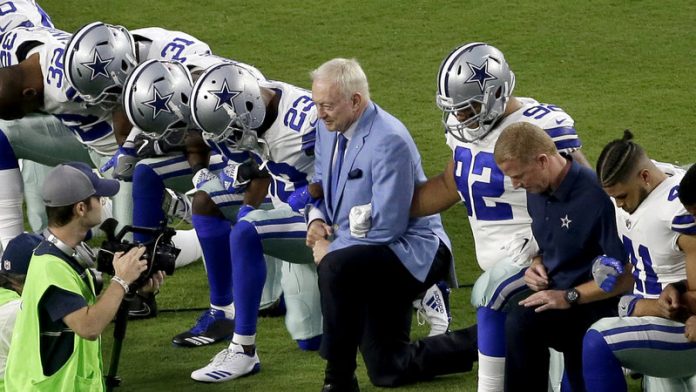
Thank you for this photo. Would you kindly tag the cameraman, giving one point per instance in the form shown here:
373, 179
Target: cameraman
56, 340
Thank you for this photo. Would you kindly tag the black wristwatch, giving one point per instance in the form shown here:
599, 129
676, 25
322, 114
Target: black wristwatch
572, 296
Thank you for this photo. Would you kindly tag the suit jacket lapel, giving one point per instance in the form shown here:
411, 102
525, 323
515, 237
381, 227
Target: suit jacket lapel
353, 149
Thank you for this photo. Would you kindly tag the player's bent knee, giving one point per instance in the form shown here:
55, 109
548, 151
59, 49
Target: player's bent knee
244, 233
494, 286
203, 204
593, 343
144, 175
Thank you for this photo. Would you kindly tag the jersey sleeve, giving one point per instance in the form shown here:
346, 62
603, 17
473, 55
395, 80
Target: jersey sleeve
561, 127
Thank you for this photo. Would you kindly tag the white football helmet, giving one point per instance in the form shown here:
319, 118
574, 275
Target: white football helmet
474, 79
156, 98
227, 105
98, 59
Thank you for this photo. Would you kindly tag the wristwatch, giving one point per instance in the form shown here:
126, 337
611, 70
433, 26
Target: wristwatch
572, 296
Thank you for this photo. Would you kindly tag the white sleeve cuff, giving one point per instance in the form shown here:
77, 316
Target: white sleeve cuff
312, 213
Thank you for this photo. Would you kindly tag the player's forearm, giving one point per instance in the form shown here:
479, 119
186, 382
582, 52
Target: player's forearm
688, 300
197, 151
256, 191
646, 307
590, 292
122, 126
432, 197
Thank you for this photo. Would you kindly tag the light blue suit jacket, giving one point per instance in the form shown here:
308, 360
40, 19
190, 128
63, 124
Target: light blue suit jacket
381, 166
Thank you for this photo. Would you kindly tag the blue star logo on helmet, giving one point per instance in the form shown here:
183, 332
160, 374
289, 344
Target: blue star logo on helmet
159, 103
224, 95
98, 66
479, 74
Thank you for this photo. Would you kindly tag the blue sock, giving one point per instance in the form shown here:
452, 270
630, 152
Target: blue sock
565, 383
148, 193
491, 332
213, 234
249, 277
8, 160
600, 368
311, 344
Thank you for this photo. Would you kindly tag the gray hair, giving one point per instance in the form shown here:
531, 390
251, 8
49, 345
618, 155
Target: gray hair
344, 73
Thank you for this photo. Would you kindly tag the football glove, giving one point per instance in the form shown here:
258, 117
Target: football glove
606, 271
235, 176
123, 162
201, 177
627, 304
149, 146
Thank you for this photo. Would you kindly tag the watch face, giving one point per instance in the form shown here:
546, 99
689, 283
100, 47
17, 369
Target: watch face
572, 296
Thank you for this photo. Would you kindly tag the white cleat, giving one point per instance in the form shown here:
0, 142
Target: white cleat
228, 364
432, 309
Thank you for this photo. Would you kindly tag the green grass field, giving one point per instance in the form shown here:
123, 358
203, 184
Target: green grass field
611, 65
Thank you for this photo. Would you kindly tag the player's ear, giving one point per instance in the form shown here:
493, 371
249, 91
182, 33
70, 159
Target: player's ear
29, 93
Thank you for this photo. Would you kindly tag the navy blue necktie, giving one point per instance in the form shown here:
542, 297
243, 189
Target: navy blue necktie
338, 162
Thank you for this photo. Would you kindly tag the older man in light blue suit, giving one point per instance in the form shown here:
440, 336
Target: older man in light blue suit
373, 259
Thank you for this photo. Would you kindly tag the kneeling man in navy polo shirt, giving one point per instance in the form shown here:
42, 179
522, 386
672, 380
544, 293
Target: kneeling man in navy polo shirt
573, 220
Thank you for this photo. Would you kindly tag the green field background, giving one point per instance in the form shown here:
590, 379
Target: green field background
610, 65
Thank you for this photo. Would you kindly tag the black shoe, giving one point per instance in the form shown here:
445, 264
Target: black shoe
211, 327
142, 307
351, 386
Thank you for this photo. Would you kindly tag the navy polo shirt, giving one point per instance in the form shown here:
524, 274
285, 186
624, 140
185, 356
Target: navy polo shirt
573, 225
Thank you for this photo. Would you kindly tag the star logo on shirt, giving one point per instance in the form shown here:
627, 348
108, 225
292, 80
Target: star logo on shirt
224, 95
98, 66
479, 74
565, 222
159, 103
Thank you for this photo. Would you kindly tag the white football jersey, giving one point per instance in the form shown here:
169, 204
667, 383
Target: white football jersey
22, 13
289, 142
91, 125
650, 236
197, 63
160, 44
498, 212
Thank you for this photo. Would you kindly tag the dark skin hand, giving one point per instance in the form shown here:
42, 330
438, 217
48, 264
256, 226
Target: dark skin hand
315, 190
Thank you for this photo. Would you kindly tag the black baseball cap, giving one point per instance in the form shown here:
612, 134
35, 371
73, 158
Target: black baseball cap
18, 253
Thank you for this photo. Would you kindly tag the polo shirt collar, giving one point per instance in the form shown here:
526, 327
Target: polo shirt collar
564, 189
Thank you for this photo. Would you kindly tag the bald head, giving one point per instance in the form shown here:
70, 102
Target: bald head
19, 92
